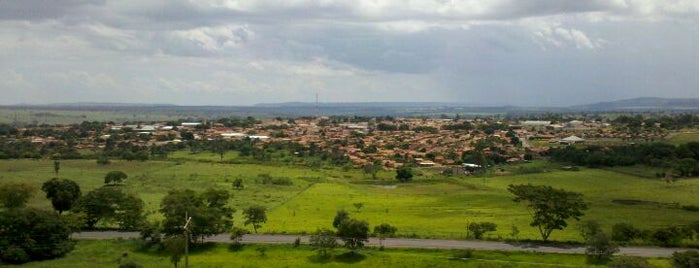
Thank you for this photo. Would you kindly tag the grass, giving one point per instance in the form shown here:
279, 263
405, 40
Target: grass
107, 253
683, 137
431, 206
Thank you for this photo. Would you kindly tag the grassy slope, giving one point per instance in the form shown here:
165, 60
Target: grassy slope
437, 207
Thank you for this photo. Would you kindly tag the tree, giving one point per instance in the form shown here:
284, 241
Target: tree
324, 241
686, 167
404, 174
384, 230
15, 195
354, 233
589, 229
237, 234
624, 232
549, 207
478, 229
174, 246
340, 216
31, 234
112, 204
209, 211
371, 168
63, 193
220, 147
600, 246
115, 177
56, 166
255, 215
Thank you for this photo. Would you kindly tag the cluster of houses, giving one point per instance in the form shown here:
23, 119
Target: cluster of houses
363, 142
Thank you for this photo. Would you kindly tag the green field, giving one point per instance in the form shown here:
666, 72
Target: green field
431, 206
683, 137
107, 254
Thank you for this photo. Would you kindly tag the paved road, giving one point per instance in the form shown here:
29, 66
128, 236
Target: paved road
408, 243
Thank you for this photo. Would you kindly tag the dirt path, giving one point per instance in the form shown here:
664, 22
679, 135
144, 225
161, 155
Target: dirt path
408, 243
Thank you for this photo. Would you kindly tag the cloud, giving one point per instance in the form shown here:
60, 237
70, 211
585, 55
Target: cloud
242, 52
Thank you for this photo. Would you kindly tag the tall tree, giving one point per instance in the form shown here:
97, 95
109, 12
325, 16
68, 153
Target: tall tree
63, 193
340, 216
354, 233
112, 204
384, 230
549, 207
255, 215
209, 211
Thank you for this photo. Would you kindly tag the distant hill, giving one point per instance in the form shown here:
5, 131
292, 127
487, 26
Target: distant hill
362, 104
642, 104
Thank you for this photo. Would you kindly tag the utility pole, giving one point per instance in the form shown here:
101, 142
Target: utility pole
186, 239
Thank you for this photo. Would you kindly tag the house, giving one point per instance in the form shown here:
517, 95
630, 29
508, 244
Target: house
571, 140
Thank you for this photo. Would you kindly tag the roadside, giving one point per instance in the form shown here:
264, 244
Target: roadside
649, 252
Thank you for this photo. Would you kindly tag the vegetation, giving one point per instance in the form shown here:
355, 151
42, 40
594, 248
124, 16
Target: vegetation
404, 174
115, 177
323, 241
256, 216
384, 230
63, 193
550, 208
111, 204
354, 233
28, 234
209, 212
478, 229
15, 195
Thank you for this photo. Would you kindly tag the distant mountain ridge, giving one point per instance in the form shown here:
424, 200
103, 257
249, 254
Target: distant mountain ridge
643, 104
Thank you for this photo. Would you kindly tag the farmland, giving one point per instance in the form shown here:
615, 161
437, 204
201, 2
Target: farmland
432, 206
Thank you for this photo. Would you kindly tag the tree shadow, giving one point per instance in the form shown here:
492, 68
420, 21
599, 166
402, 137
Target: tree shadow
235, 247
347, 257
320, 259
350, 257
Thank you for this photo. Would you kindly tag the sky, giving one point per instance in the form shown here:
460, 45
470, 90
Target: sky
242, 52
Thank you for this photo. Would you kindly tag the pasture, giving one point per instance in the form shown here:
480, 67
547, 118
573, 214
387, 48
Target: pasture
431, 206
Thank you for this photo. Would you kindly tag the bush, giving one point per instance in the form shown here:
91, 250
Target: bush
624, 232
267, 179
588, 229
687, 259
478, 229
600, 246
670, 236
692, 208
32, 234
14, 255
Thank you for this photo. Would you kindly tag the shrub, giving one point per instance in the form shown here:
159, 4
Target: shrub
624, 232
687, 259
477, 229
600, 246
669, 236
